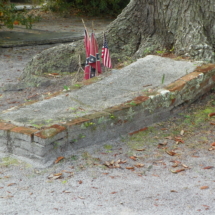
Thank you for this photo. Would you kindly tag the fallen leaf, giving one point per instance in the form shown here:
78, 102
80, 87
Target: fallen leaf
182, 133
107, 163
11, 184
113, 192
171, 153
133, 158
66, 191
211, 114
140, 149
204, 187
169, 137
58, 174
80, 182
122, 162
212, 148
59, 159
135, 132
163, 144
177, 171
185, 166
173, 191
32, 96
80, 197
178, 139
55, 176
6, 197
130, 167
212, 123
112, 162
139, 165
213, 144
117, 165
208, 167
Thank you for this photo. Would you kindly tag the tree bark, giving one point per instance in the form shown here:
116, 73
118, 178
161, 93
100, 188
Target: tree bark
143, 27
186, 26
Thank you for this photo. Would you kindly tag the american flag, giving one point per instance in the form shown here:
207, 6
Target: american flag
106, 54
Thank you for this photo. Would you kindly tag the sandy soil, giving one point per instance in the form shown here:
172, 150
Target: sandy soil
166, 169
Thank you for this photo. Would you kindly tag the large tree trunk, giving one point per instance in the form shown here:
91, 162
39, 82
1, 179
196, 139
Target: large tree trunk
185, 26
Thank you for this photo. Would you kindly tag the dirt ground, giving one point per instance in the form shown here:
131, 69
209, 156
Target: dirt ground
166, 169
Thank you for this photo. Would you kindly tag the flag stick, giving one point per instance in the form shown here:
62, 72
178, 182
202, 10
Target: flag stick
84, 25
95, 49
85, 28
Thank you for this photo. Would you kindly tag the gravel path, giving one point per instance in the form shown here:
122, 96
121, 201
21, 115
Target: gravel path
138, 174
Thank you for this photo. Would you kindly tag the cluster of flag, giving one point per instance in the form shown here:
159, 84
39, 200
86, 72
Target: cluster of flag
93, 65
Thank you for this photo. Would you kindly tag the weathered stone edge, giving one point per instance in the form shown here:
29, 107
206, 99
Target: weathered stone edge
42, 147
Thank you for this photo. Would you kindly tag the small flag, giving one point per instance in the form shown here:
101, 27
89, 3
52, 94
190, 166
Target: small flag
94, 60
106, 54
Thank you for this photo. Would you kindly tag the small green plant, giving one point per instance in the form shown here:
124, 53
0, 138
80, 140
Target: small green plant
112, 116
64, 181
172, 49
147, 51
73, 108
87, 124
9, 16
74, 157
48, 120
161, 52
163, 78
81, 136
74, 141
102, 119
56, 145
86, 155
66, 88
28, 100
133, 103
130, 114
77, 85
109, 147
36, 126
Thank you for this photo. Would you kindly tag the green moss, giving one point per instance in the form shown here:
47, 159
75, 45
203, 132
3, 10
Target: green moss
108, 147
8, 161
